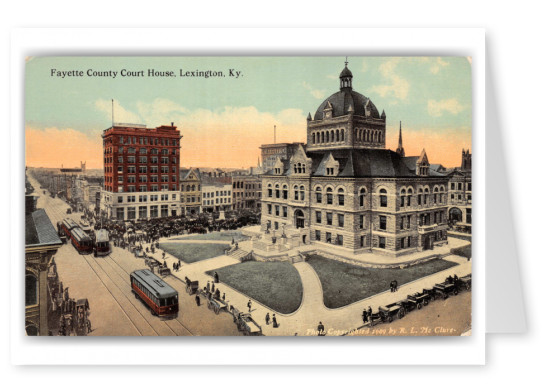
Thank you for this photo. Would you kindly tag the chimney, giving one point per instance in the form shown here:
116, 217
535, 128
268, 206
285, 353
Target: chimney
172, 124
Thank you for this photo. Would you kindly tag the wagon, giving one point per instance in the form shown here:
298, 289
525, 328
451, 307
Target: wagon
409, 304
420, 299
217, 305
246, 324
391, 311
464, 282
445, 289
191, 286
164, 271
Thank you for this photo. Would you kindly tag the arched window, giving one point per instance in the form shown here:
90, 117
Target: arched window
277, 190
332, 136
362, 197
337, 135
188, 188
383, 200
192, 187
410, 194
31, 289
329, 195
302, 193
295, 188
269, 189
313, 138
322, 137
327, 136
318, 195
340, 196
342, 134
284, 192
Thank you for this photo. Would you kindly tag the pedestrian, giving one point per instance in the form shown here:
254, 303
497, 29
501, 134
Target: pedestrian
223, 297
197, 300
274, 322
364, 315
321, 329
216, 277
212, 286
395, 286
164, 255
267, 318
369, 316
250, 304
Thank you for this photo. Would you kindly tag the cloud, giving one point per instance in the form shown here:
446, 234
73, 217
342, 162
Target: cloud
437, 64
318, 94
365, 66
437, 108
228, 137
396, 86
332, 77
121, 114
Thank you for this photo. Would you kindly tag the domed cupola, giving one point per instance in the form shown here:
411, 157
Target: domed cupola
346, 78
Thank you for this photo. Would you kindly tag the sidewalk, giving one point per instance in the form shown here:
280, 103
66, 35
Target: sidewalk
312, 310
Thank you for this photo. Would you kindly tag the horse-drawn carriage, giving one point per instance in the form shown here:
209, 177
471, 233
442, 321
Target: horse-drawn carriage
191, 286
74, 318
216, 304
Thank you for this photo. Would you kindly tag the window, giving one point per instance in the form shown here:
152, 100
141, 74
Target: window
341, 197
302, 193
296, 193
164, 210
318, 217
142, 198
132, 159
284, 192
453, 186
381, 242
131, 169
329, 196
154, 160
31, 289
459, 186
120, 213
318, 195
143, 212
339, 241
119, 199
270, 190
328, 237
318, 235
277, 191
362, 222
277, 210
143, 169
382, 198
284, 211
131, 213
402, 222
329, 218
382, 223
131, 199
269, 209
143, 160
340, 218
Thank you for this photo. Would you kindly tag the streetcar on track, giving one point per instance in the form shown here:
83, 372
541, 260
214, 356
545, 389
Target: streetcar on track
66, 225
81, 241
102, 246
160, 297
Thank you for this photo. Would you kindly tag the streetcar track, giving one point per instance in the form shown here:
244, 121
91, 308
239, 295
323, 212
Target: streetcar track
58, 216
119, 288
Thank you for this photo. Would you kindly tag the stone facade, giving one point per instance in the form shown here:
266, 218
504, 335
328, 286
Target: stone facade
345, 189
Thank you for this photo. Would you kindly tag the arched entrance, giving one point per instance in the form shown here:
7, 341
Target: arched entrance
455, 215
299, 219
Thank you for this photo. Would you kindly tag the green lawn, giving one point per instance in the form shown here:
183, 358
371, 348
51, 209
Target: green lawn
345, 284
226, 235
277, 285
194, 252
464, 251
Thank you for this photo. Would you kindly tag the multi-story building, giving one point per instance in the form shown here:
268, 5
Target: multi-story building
216, 194
41, 244
460, 194
190, 191
141, 171
271, 152
345, 189
246, 191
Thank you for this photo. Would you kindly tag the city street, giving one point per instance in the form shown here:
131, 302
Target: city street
105, 282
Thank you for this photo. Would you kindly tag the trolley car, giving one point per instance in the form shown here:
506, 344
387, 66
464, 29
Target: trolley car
67, 225
160, 297
102, 246
81, 241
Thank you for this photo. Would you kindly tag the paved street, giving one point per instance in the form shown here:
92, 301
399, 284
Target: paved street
105, 282
115, 310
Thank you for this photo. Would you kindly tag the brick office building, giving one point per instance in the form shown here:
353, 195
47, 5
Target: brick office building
141, 171
344, 188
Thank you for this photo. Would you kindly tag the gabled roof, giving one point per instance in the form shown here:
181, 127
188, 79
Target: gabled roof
39, 230
185, 174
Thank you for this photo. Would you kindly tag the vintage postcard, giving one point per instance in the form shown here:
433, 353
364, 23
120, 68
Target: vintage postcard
248, 196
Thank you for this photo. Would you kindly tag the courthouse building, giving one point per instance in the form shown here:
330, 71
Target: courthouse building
345, 189
141, 171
